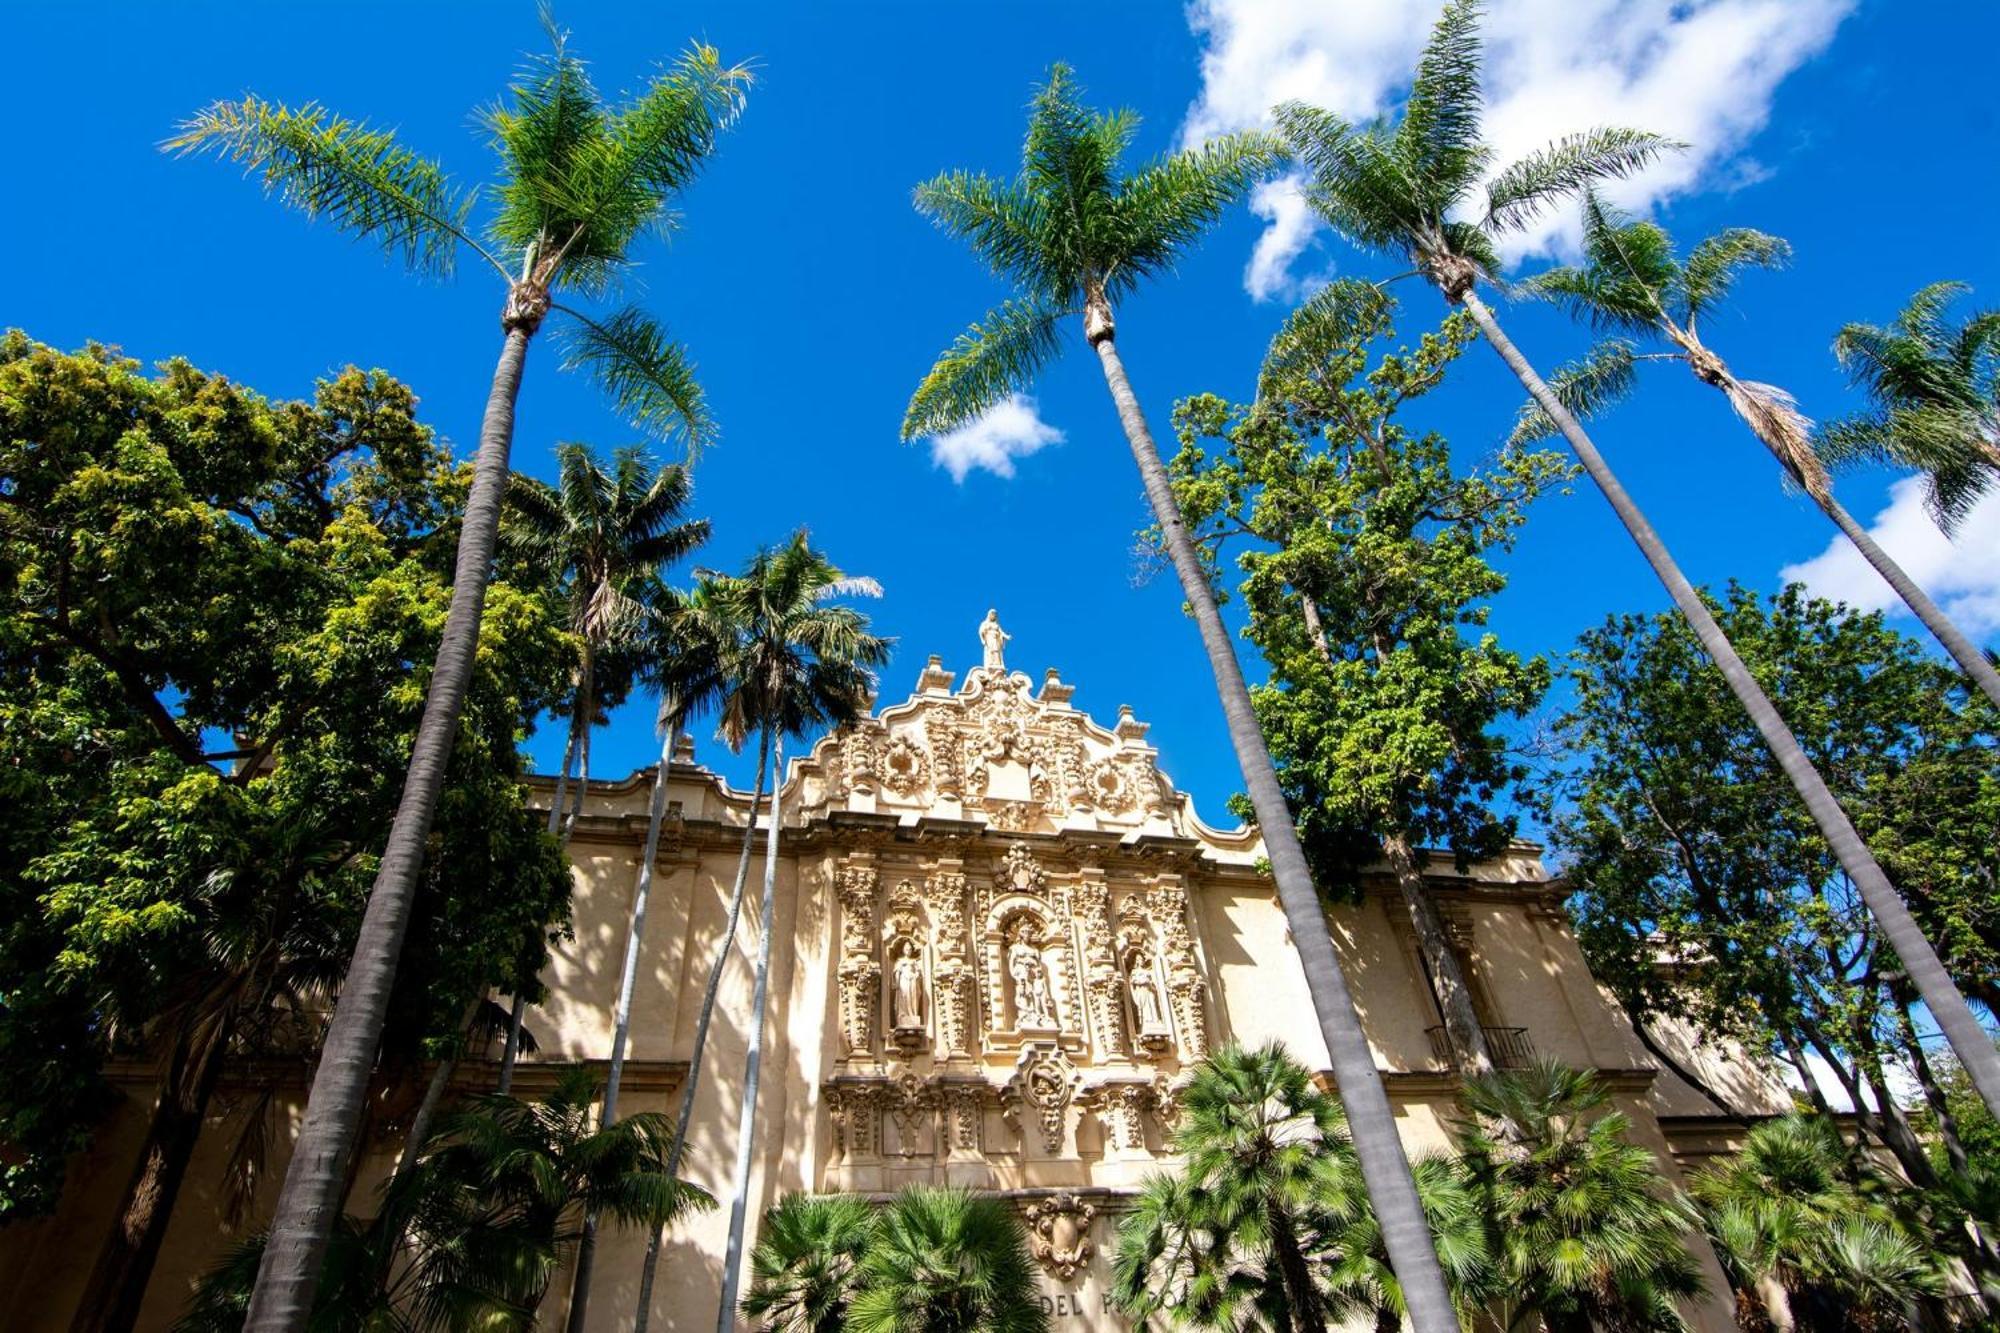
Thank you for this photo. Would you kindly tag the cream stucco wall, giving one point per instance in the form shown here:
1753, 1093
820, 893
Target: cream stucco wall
940, 821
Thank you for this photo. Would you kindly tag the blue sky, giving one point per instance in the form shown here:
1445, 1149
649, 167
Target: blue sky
814, 297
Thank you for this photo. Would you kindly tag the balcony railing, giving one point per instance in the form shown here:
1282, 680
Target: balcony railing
1509, 1047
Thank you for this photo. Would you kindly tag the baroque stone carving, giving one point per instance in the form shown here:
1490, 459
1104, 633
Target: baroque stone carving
1034, 1003
860, 974
1149, 1015
1043, 1085
1059, 1234
1092, 902
905, 767
1121, 1108
1187, 992
953, 989
909, 992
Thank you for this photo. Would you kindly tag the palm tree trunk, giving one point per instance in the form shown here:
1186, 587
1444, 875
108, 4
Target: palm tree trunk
621, 1020
124, 1266
576, 758
1974, 663
723, 947
1968, 1039
420, 1123
753, 1061
1384, 1167
310, 1200
1454, 997
1293, 1272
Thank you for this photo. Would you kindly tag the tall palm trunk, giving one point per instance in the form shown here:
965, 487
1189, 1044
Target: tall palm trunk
310, 1201
1454, 997
1969, 1041
427, 1108
724, 946
621, 1015
124, 1266
1970, 659
1384, 1167
576, 759
753, 1061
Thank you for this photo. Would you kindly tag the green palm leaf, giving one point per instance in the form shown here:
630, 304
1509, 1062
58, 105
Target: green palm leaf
646, 375
999, 355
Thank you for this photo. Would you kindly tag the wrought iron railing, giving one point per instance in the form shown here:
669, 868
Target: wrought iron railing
1508, 1047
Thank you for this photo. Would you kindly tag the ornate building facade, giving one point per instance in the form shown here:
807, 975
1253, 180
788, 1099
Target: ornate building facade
1003, 939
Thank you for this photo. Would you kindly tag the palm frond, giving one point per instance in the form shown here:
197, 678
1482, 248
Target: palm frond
1712, 266
1003, 225
1585, 387
342, 171
1324, 329
1527, 187
1440, 134
646, 374
1165, 206
995, 357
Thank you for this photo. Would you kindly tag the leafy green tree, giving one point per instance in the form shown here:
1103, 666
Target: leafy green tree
1072, 235
1802, 1225
475, 1234
579, 182
184, 560
948, 1261
1427, 189
1366, 564
1703, 889
795, 663
1934, 391
807, 1266
1633, 284
1584, 1232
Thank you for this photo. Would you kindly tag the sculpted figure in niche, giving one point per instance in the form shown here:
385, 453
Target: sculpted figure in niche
1034, 1007
909, 988
1145, 988
993, 640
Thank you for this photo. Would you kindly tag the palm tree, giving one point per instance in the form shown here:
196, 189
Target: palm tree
1634, 284
797, 663
579, 182
948, 1261
1268, 1221
1265, 1148
1935, 394
602, 536
474, 1234
1426, 189
1584, 1233
1802, 1220
681, 659
1072, 235
806, 1268
703, 630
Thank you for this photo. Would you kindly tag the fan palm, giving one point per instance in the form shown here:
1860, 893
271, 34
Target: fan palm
1935, 393
806, 1268
1633, 283
602, 536
1178, 1260
579, 182
1797, 1210
1584, 1233
948, 1261
1427, 189
1072, 235
796, 663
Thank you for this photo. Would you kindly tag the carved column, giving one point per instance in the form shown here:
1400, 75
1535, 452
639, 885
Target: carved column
1185, 987
952, 945
860, 973
1100, 964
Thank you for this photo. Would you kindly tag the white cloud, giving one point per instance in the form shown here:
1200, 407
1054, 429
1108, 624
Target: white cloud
1009, 430
1963, 576
1702, 71
1269, 274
